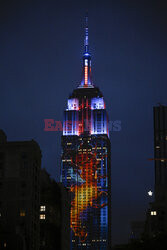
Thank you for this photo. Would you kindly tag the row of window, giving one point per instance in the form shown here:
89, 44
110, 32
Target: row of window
42, 209
153, 213
41, 216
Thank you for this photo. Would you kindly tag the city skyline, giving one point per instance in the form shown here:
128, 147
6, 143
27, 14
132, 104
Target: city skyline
40, 51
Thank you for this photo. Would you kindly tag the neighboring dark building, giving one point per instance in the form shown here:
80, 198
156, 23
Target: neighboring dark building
121, 247
156, 222
20, 164
54, 215
86, 163
65, 217
137, 230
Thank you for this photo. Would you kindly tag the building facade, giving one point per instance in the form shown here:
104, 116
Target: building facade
54, 214
86, 162
156, 222
20, 164
136, 230
160, 153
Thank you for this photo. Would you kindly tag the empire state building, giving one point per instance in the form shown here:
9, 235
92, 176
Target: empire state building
86, 162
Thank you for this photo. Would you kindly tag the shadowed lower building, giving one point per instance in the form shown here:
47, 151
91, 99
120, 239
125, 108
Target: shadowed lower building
54, 214
20, 163
136, 230
156, 222
86, 170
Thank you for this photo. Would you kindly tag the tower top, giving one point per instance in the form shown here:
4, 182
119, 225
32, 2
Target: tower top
86, 41
86, 81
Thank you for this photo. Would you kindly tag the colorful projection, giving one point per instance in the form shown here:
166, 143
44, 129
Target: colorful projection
88, 190
84, 170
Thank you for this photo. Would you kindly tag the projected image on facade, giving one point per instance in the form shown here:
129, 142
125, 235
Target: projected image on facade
86, 170
88, 193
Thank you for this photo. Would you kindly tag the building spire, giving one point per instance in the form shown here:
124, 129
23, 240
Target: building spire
86, 41
86, 69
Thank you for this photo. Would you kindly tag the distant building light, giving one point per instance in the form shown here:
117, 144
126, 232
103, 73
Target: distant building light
42, 217
153, 213
22, 213
42, 208
157, 146
150, 193
162, 160
5, 245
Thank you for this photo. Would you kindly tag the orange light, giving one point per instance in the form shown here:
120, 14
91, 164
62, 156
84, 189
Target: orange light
86, 75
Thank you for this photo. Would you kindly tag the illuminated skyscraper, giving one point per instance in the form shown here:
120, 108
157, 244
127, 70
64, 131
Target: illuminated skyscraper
86, 170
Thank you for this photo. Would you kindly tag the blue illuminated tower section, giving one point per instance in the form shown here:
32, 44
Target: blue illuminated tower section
86, 162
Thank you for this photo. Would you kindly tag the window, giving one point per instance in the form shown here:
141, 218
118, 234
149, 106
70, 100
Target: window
42, 217
22, 213
2, 156
23, 155
153, 213
42, 208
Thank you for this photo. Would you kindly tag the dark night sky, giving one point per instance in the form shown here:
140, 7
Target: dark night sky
41, 49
